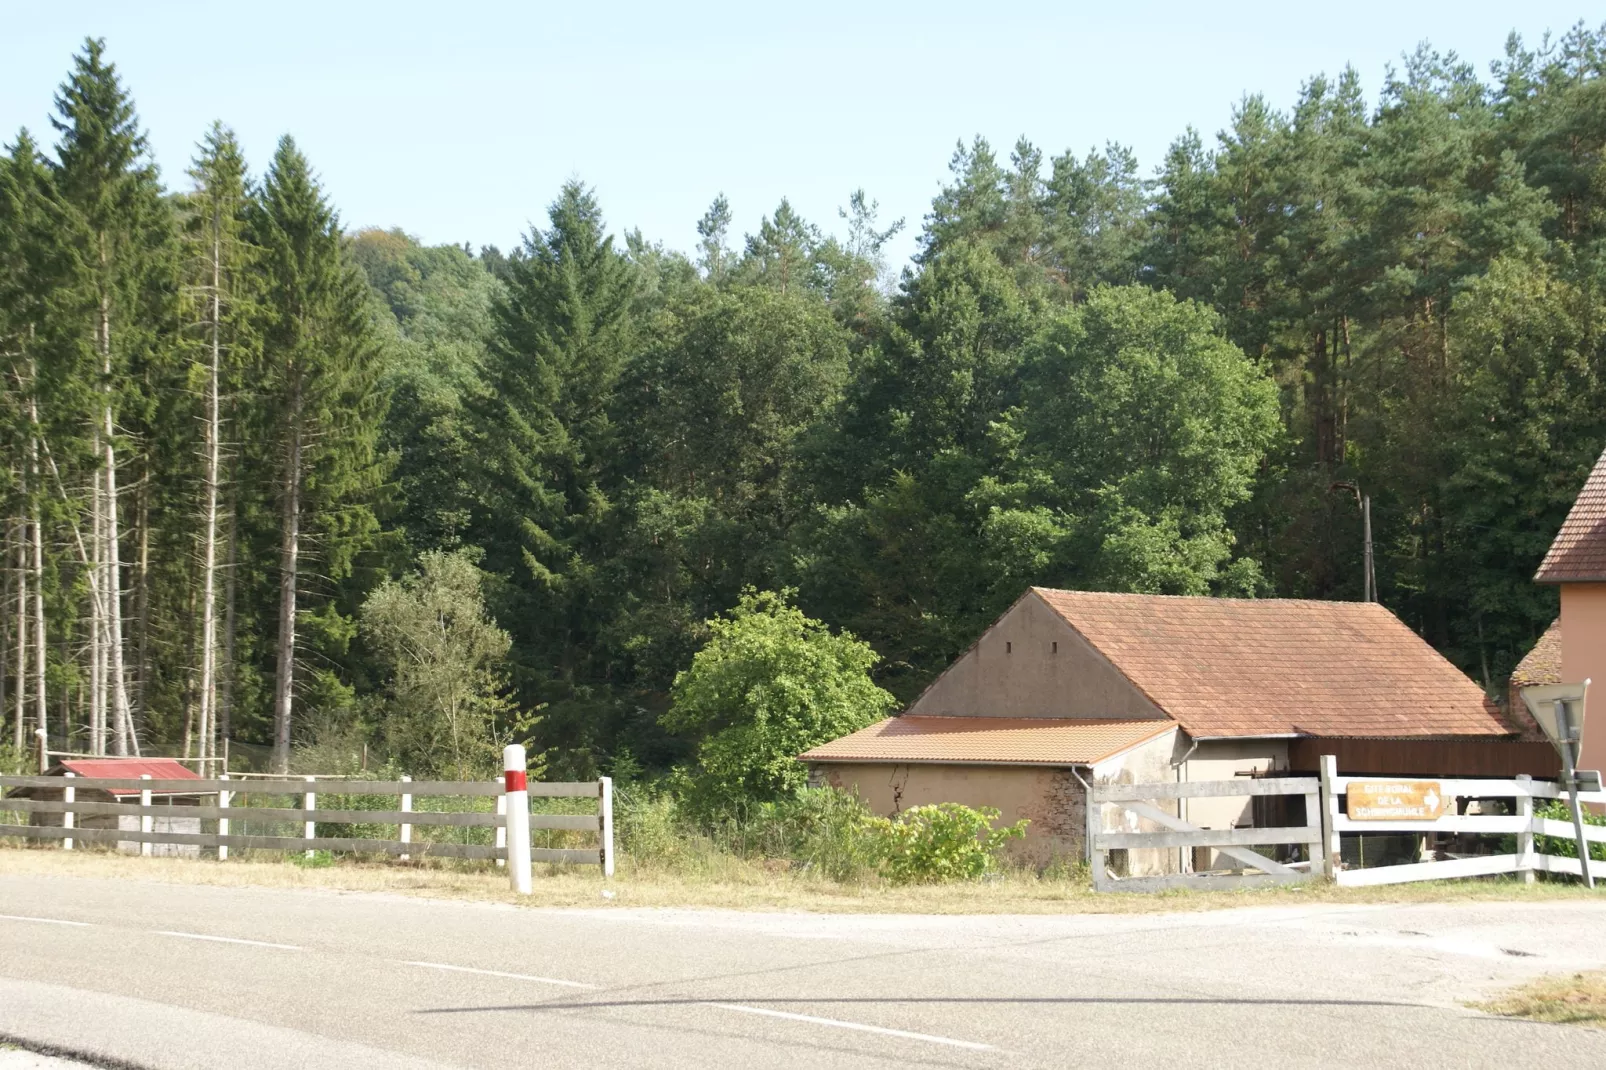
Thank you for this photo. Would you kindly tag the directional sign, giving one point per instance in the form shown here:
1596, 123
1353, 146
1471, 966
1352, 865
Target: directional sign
1396, 800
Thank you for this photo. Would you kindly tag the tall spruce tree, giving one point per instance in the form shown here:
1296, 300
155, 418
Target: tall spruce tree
123, 235
318, 375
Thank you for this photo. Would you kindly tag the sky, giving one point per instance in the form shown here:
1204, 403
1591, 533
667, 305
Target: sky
459, 121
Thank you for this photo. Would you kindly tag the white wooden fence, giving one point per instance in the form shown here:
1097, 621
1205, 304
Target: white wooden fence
1327, 820
1521, 824
218, 801
1139, 801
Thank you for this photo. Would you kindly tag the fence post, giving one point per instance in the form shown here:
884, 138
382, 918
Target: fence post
224, 798
1525, 838
310, 803
605, 836
407, 808
1330, 840
69, 795
515, 790
146, 823
1313, 817
44, 752
501, 830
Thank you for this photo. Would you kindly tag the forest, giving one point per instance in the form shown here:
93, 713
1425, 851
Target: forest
308, 494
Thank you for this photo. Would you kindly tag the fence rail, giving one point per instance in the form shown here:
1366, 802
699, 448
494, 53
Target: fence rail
1327, 820
218, 803
1137, 800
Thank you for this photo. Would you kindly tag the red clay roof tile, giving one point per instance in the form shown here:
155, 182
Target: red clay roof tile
1253, 667
1578, 553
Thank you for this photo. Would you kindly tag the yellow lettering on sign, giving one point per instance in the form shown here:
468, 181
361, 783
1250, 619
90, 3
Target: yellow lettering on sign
1397, 800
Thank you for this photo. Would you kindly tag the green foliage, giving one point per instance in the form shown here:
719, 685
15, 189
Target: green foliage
444, 710
945, 842
1567, 846
770, 684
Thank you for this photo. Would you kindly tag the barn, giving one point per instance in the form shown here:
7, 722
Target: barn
1069, 688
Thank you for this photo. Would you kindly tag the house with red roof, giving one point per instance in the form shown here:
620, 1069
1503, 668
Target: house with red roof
1573, 649
1072, 687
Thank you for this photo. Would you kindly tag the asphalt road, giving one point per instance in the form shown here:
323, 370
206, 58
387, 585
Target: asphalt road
169, 976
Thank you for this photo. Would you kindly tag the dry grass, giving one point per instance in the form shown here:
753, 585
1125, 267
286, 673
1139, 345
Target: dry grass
740, 886
1574, 999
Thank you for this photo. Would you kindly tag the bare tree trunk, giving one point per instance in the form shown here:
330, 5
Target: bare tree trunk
208, 696
97, 621
22, 627
142, 595
118, 684
40, 709
289, 550
226, 677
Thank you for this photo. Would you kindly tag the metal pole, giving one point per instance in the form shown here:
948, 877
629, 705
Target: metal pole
1564, 718
515, 787
1371, 571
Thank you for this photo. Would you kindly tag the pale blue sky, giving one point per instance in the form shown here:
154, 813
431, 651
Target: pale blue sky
458, 121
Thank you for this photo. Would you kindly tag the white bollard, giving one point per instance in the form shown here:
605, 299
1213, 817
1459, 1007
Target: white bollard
145, 820
515, 788
605, 834
311, 803
69, 795
224, 798
407, 808
501, 830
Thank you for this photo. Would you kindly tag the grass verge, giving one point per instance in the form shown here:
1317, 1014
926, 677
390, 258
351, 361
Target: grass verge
737, 885
1571, 999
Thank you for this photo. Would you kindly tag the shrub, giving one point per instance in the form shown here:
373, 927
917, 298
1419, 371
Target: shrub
945, 842
1567, 847
769, 684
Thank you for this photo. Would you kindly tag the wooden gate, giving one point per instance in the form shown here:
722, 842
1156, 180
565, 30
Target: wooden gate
1143, 803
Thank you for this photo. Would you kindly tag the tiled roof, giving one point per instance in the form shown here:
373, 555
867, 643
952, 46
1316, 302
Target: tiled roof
1579, 551
1267, 667
1541, 666
988, 740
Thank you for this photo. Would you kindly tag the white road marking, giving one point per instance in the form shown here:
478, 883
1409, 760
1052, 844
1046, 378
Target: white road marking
227, 940
44, 921
859, 1026
500, 973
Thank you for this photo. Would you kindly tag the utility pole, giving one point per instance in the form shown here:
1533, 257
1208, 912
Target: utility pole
1369, 568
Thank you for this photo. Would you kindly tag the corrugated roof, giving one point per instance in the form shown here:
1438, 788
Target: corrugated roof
121, 768
1578, 553
1267, 667
988, 740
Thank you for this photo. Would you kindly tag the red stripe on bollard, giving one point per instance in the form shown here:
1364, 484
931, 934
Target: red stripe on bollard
515, 780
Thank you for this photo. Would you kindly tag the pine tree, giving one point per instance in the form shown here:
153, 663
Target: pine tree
318, 373
218, 216
123, 236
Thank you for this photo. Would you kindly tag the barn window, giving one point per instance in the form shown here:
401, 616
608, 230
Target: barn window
1055, 645
1009, 648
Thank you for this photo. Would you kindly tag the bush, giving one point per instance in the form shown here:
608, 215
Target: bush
945, 842
1558, 810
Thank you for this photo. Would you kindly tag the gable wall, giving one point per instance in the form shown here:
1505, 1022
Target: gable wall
1016, 670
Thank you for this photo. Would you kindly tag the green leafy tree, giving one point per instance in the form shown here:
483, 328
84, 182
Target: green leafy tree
1148, 427
770, 684
445, 710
